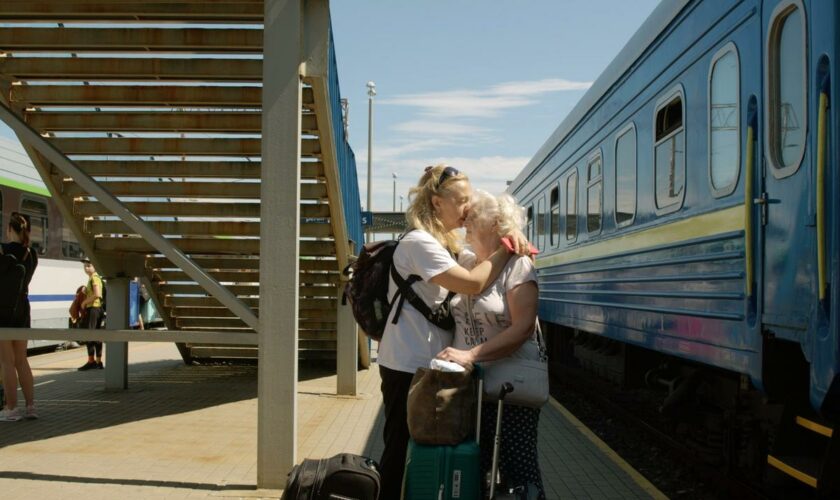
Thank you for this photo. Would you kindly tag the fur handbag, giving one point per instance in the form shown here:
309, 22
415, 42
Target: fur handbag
441, 406
526, 369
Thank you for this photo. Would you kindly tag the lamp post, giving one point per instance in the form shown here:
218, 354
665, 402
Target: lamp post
394, 199
370, 92
401, 203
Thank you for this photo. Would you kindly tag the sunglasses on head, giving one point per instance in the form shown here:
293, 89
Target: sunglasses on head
447, 173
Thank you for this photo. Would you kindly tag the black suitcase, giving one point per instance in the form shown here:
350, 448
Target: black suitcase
342, 477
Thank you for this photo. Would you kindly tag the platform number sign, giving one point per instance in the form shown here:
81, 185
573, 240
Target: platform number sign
367, 219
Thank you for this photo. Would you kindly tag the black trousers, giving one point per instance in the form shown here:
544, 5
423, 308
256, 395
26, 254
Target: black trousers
395, 385
94, 319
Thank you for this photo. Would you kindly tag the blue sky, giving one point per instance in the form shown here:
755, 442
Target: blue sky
476, 84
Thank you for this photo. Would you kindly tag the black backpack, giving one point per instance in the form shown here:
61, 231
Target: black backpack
367, 291
344, 476
12, 276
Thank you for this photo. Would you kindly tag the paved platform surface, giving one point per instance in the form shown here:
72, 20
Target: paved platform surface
190, 431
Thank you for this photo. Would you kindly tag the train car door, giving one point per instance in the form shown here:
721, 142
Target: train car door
783, 202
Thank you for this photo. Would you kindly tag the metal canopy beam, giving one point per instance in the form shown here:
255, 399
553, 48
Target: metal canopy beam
29, 136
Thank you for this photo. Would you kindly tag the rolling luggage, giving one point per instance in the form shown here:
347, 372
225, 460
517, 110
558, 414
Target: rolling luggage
342, 477
439, 472
495, 490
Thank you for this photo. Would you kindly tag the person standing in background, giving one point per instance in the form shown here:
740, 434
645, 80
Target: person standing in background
93, 310
13, 352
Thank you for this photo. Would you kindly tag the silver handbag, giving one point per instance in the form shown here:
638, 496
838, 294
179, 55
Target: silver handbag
526, 369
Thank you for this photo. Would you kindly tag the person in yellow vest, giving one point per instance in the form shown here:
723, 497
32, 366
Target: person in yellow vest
92, 306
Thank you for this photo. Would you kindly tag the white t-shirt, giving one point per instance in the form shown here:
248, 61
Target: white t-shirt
479, 318
414, 341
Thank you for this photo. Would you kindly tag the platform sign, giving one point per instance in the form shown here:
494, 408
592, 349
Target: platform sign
367, 219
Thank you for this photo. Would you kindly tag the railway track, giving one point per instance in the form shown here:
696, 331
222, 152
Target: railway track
712, 480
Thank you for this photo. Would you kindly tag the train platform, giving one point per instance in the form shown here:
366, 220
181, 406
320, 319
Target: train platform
191, 431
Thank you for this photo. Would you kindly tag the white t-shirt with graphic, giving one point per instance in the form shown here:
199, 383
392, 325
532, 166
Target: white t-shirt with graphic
413, 342
479, 318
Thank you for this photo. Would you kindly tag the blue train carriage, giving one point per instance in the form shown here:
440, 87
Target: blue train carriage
687, 213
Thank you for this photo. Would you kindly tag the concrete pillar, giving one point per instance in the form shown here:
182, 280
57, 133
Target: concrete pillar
116, 353
347, 350
279, 235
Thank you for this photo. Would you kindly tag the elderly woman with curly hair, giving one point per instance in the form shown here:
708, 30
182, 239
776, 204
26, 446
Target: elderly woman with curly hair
494, 324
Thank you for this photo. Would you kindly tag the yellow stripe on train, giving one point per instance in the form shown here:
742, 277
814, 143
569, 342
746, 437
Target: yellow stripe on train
700, 226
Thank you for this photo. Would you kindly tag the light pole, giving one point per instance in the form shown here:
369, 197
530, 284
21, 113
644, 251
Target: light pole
370, 92
394, 199
401, 200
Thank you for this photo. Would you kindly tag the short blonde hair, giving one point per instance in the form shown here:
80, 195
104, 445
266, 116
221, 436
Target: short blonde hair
421, 212
503, 211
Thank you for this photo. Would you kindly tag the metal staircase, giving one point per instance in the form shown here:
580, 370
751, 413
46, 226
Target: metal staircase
160, 103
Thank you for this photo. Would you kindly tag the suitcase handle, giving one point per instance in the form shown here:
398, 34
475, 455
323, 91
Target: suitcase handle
506, 389
479, 374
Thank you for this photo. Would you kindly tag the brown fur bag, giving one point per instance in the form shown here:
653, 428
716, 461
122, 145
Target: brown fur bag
441, 406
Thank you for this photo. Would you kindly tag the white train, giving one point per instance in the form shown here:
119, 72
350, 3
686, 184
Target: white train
59, 271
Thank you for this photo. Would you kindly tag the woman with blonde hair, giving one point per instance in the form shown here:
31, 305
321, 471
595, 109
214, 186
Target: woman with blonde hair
495, 324
13, 352
426, 258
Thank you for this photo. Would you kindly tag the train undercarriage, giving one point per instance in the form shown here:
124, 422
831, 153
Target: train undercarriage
726, 422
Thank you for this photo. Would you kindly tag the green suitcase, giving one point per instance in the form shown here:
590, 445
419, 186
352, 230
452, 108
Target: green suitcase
442, 472
445, 472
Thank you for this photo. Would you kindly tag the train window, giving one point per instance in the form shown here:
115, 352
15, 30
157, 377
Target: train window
554, 216
787, 80
669, 152
541, 223
571, 206
530, 223
625, 176
594, 190
36, 211
724, 121
69, 244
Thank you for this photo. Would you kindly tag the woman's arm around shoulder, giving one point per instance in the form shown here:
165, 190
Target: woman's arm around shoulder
472, 281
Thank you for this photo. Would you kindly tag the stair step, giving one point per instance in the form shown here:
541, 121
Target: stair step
814, 425
802, 468
304, 352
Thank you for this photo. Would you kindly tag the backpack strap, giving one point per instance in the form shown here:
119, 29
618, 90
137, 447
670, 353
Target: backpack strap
404, 291
439, 316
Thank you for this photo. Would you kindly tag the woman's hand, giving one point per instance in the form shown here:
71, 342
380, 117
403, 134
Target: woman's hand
463, 358
519, 242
